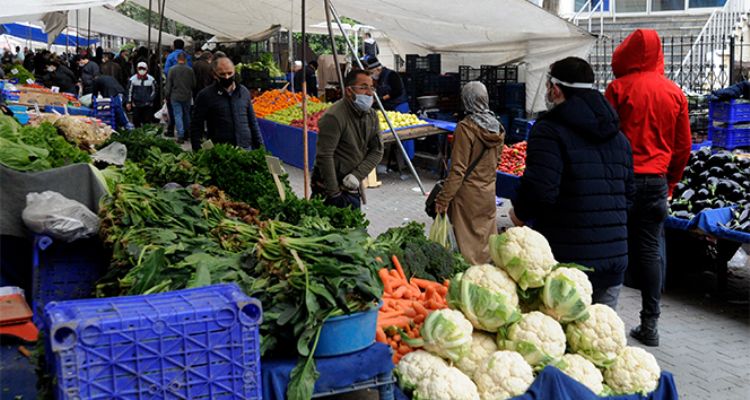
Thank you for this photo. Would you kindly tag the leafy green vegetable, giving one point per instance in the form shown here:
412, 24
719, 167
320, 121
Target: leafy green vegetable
35, 148
22, 74
140, 140
162, 168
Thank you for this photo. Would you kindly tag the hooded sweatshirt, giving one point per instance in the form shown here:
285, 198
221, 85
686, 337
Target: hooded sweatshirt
653, 110
578, 186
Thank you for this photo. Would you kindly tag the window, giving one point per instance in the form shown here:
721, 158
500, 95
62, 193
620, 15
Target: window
706, 3
668, 5
625, 6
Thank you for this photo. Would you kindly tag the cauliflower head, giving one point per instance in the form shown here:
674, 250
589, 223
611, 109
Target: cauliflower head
446, 384
566, 295
634, 371
537, 337
482, 346
416, 366
503, 375
445, 333
486, 295
524, 254
600, 337
583, 371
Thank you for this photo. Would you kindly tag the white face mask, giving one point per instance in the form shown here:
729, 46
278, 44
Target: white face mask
363, 101
51, 69
548, 101
141, 72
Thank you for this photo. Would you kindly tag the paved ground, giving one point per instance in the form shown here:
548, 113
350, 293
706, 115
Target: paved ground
705, 342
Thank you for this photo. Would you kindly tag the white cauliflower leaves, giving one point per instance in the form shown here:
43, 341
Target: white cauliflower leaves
634, 371
503, 375
525, 254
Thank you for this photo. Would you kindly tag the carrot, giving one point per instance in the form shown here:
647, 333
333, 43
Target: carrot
410, 312
403, 349
442, 290
419, 319
380, 335
430, 293
400, 322
394, 274
386, 279
400, 270
423, 283
419, 308
397, 337
390, 314
397, 358
399, 293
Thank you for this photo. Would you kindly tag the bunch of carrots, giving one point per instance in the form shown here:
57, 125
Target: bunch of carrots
406, 304
275, 100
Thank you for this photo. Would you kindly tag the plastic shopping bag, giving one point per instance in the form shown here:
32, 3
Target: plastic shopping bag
53, 214
163, 115
441, 232
114, 154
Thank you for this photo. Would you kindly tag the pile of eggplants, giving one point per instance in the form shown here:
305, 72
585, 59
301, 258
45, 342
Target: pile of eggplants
714, 181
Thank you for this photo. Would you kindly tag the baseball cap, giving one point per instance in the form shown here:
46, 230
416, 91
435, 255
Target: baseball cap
142, 65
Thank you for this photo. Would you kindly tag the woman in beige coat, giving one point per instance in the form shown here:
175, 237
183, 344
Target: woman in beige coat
469, 199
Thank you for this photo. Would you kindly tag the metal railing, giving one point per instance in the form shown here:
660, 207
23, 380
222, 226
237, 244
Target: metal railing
722, 26
587, 13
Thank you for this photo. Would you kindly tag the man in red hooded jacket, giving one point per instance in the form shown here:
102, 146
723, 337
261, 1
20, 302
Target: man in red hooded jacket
654, 117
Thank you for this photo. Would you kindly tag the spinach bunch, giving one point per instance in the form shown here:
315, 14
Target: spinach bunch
140, 140
163, 167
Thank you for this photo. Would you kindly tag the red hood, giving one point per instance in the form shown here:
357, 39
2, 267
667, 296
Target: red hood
640, 52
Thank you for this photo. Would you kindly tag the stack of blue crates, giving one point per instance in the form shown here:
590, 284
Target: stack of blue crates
729, 124
190, 344
104, 109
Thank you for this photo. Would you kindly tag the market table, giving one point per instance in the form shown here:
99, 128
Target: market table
285, 142
369, 368
552, 383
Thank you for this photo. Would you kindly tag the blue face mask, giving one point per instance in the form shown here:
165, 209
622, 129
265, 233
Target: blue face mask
363, 102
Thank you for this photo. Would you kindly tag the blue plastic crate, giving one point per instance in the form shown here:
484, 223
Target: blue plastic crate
519, 130
730, 112
190, 344
65, 271
729, 137
514, 95
22, 118
71, 110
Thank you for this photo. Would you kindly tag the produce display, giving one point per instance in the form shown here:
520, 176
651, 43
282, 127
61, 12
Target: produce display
399, 120
312, 121
513, 159
501, 358
289, 114
85, 132
36, 148
17, 71
265, 63
276, 100
140, 140
714, 181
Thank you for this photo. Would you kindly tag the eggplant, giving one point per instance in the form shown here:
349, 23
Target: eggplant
702, 194
687, 195
719, 204
720, 159
699, 166
679, 189
743, 216
712, 181
703, 154
717, 172
737, 177
700, 205
700, 179
680, 206
723, 188
743, 162
682, 214
730, 168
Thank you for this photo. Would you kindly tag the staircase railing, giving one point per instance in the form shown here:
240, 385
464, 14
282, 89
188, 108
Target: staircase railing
712, 42
587, 13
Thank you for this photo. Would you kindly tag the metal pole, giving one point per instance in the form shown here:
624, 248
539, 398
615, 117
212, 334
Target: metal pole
150, 7
158, 48
89, 28
333, 48
78, 38
305, 146
380, 105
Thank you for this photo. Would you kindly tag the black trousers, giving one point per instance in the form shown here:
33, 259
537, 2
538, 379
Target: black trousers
142, 116
645, 241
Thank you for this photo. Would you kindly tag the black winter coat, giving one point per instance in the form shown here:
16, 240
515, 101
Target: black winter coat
230, 118
578, 186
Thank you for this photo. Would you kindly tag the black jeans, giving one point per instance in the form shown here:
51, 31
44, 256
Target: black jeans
645, 237
143, 115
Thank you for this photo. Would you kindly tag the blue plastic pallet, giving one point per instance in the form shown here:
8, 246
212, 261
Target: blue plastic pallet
65, 271
729, 137
190, 344
730, 112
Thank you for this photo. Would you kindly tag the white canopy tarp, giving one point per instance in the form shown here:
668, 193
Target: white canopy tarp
15, 8
471, 32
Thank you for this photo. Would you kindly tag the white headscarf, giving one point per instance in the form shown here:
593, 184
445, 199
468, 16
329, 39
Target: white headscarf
476, 103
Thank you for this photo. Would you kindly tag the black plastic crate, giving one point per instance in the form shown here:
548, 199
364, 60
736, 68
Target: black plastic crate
467, 74
449, 83
428, 63
498, 74
514, 95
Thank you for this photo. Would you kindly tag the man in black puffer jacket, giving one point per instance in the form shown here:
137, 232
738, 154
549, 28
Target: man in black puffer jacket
578, 183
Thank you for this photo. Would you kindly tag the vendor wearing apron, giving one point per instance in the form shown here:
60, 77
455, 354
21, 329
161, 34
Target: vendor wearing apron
390, 88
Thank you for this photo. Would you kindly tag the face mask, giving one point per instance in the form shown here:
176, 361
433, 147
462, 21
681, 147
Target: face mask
363, 101
548, 102
51, 69
376, 76
141, 72
226, 83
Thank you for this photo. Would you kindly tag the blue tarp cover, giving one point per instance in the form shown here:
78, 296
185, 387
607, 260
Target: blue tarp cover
335, 372
554, 384
37, 35
710, 221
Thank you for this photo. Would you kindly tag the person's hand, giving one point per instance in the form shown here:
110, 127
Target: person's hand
386, 97
350, 183
441, 208
514, 218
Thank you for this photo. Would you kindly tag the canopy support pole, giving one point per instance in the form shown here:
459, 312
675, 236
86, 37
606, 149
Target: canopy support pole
306, 157
380, 104
89, 29
150, 7
78, 38
158, 47
333, 48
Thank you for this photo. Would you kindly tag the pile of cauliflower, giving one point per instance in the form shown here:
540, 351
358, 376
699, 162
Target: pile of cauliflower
508, 321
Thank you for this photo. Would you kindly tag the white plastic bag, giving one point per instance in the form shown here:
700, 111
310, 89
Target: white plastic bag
86, 100
163, 115
114, 154
53, 214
